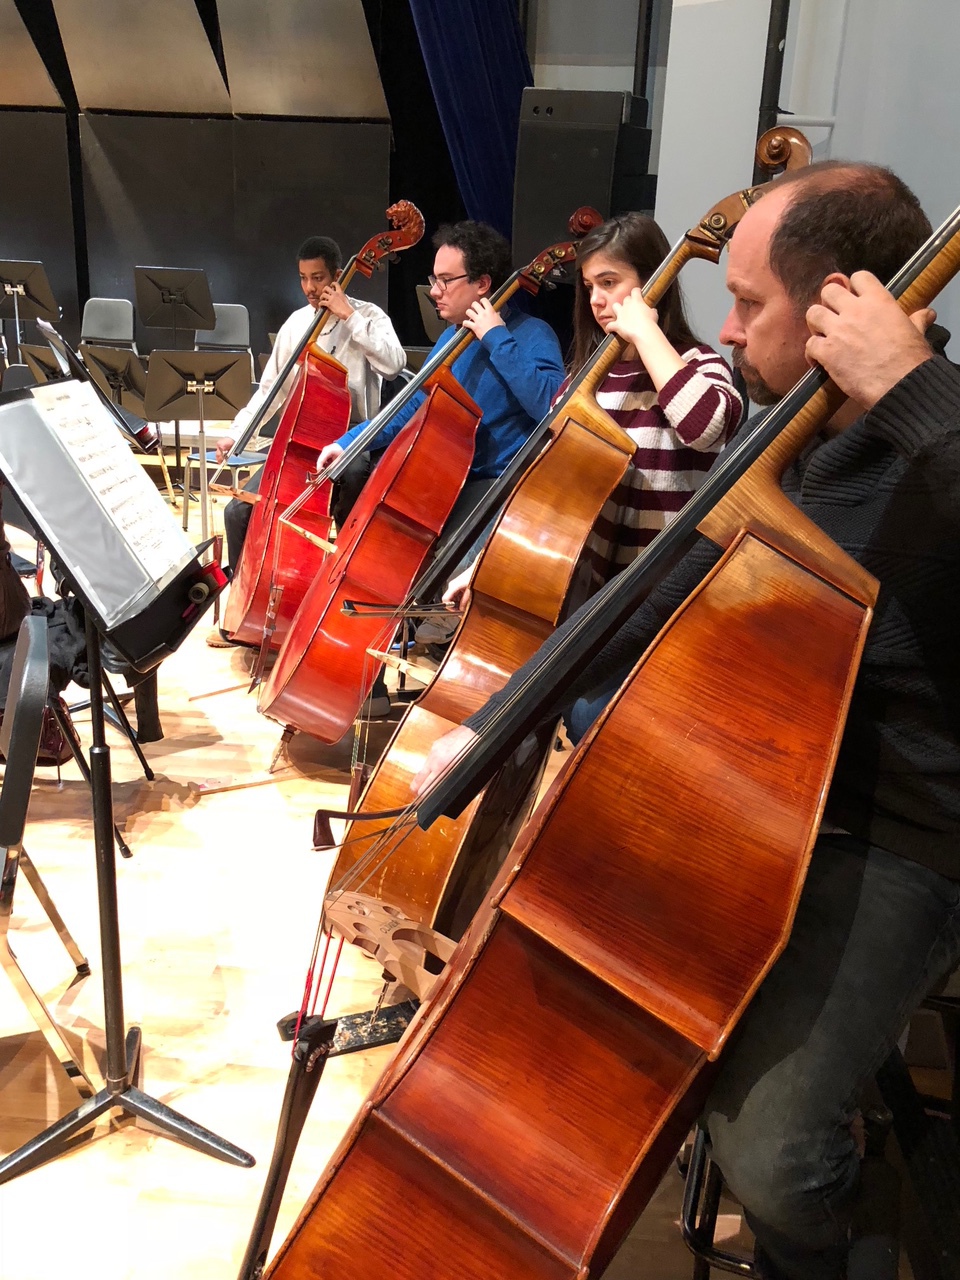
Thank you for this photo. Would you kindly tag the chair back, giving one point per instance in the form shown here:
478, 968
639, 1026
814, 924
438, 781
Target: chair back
433, 326
232, 330
107, 322
16, 377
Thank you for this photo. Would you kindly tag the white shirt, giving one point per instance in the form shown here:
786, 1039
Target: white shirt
365, 344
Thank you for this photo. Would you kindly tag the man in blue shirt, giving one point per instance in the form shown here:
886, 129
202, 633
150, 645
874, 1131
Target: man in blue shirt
512, 371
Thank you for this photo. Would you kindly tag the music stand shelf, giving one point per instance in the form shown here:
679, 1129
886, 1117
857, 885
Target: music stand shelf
174, 298
198, 384
25, 294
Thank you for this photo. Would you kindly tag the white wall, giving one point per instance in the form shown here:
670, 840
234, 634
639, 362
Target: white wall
887, 72
573, 47
898, 103
710, 108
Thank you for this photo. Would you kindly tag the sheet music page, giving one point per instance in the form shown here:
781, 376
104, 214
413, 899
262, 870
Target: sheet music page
130, 500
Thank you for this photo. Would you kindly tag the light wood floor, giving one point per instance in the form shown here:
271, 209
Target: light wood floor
218, 908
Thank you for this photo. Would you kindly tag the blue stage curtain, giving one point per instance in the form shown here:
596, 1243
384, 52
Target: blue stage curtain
478, 67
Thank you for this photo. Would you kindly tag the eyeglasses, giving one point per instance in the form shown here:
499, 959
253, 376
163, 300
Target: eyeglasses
444, 282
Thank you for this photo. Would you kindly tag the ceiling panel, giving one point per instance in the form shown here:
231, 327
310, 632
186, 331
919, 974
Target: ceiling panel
141, 55
23, 78
300, 58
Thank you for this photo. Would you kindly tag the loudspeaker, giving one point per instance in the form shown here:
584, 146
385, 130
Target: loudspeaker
577, 147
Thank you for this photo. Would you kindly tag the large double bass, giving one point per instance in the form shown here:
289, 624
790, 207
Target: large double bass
536, 1104
316, 412
323, 672
524, 582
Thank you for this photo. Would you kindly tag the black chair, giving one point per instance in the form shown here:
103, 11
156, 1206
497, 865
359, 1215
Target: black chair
16, 377
874, 1249
19, 743
698, 1217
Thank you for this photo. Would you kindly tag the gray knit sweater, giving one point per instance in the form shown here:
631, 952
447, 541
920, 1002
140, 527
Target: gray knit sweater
886, 490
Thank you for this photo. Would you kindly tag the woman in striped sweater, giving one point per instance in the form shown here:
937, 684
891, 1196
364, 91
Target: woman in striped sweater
671, 393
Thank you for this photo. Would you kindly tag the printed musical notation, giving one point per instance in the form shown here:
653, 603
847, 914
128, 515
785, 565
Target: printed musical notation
119, 483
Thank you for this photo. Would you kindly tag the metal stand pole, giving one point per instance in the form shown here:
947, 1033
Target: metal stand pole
202, 451
123, 1051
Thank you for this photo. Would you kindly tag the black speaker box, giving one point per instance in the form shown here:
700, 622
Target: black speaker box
577, 147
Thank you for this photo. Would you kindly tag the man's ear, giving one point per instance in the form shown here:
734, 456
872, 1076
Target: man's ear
835, 277
337, 274
485, 284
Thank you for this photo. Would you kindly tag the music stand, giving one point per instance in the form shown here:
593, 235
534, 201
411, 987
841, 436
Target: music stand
43, 363
132, 573
174, 298
120, 375
193, 384
25, 294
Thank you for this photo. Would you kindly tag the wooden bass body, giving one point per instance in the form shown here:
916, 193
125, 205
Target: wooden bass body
535, 1106
520, 589
323, 672
316, 413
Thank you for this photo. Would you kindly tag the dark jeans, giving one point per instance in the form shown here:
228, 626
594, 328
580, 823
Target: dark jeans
236, 517
873, 934
580, 716
470, 495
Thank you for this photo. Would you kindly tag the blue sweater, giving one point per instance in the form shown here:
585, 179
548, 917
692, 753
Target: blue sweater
512, 373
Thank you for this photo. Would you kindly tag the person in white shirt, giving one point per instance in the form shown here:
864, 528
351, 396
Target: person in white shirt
358, 334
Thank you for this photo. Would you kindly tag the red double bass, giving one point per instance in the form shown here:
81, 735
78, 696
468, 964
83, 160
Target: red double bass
323, 672
316, 412
521, 586
536, 1104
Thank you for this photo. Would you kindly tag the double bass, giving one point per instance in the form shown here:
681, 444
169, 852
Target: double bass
323, 672
521, 588
534, 1107
316, 412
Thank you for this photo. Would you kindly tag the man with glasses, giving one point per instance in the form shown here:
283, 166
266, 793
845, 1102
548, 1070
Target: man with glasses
512, 371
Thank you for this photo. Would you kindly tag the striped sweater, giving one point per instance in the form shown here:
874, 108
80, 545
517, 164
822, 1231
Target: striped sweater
678, 433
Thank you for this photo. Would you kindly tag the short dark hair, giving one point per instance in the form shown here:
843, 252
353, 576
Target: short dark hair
844, 217
485, 251
636, 240
321, 247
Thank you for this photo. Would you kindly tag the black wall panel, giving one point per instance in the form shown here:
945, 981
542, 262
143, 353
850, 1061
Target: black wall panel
234, 197
36, 219
158, 191
304, 178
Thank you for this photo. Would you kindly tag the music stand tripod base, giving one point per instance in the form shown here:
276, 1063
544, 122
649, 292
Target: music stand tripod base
122, 1051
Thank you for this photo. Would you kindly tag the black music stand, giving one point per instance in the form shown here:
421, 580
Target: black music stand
43, 363
25, 294
145, 634
119, 373
174, 298
195, 384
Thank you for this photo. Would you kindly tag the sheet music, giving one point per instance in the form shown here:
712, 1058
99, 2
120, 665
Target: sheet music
93, 505
124, 491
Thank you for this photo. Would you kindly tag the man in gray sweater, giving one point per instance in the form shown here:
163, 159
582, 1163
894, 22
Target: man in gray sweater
878, 923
